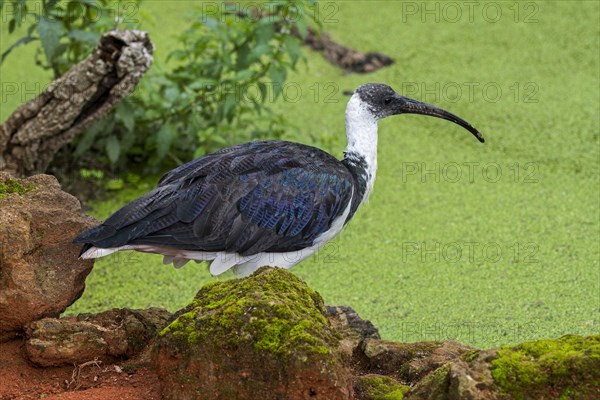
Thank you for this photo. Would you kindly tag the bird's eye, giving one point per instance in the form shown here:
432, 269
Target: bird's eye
387, 100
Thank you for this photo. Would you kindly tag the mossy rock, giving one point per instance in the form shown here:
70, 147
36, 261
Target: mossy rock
378, 387
266, 335
273, 310
564, 368
434, 386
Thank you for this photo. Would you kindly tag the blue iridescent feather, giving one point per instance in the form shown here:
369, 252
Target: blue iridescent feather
263, 196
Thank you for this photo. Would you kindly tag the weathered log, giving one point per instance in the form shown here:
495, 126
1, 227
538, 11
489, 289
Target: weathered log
86, 93
344, 57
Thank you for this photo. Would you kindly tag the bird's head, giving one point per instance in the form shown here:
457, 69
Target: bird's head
382, 101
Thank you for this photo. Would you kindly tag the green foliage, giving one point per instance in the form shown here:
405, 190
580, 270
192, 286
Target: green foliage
212, 89
66, 31
228, 69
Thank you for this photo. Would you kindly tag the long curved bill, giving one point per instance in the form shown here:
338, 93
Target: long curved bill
410, 106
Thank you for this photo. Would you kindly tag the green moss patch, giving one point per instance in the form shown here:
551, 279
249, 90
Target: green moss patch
376, 387
272, 310
14, 186
568, 367
470, 356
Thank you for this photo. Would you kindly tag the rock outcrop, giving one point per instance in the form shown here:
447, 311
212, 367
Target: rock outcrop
351, 327
40, 273
263, 337
117, 333
564, 368
408, 362
269, 336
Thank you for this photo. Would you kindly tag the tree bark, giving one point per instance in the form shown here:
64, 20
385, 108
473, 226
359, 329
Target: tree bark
31, 136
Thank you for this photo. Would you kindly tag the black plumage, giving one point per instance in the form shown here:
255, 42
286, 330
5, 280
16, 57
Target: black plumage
263, 196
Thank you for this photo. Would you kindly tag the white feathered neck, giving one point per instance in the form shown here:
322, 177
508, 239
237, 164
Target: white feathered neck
361, 133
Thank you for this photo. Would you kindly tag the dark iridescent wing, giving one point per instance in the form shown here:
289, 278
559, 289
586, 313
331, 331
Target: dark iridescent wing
266, 196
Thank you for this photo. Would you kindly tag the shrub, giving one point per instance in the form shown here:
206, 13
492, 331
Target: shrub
212, 90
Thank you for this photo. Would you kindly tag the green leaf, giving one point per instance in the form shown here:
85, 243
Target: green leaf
86, 140
125, 115
258, 52
263, 91
71, 14
11, 26
164, 138
50, 36
302, 27
242, 56
277, 75
177, 55
113, 148
227, 59
264, 33
51, 4
20, 42
292, 47
228, 107
210, 23
202, 84
91, 3
31, 28
127, 140
171, 94
86, 37
244, 75
89, 136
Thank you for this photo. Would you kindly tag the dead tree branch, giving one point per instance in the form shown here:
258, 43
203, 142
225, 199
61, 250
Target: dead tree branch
86, 93
344, 57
